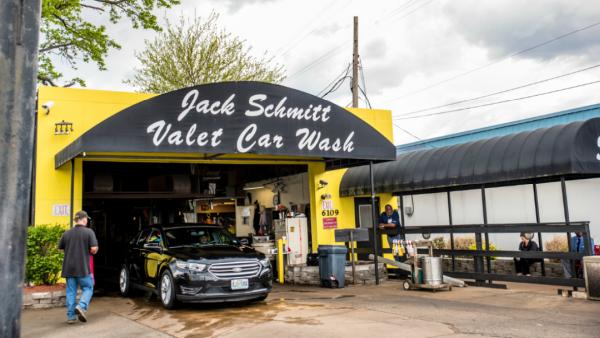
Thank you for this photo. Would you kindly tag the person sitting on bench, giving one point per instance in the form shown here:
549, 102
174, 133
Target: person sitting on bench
522, 265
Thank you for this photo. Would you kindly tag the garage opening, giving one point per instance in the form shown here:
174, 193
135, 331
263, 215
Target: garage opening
246, 199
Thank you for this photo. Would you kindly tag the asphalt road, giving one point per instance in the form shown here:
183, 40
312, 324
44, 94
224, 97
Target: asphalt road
362, 311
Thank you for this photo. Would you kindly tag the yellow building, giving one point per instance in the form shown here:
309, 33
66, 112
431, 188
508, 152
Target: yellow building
134, 159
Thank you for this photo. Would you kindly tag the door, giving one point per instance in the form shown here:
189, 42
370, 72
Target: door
151, 255
137, 258
364, 219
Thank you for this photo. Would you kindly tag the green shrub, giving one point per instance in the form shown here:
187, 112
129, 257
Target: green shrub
44, 259
439, 243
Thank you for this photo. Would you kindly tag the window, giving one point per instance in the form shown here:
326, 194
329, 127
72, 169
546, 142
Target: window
365, 216
198, 237
142, 237
154, 237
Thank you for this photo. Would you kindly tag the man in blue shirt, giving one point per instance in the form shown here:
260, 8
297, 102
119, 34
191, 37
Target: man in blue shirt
577, 245
389, 224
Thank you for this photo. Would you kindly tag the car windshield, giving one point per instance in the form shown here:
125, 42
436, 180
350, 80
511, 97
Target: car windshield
197, 237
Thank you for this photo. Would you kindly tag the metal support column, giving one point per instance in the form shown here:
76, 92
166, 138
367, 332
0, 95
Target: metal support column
451, 234
487, 236
72, 199
375, 221
402, 234
19, 33
563, 188
537, 220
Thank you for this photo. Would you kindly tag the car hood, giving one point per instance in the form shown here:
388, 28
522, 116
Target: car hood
214, 253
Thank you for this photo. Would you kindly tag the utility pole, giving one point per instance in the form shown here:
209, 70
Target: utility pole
19, 34
355, 65
375, 215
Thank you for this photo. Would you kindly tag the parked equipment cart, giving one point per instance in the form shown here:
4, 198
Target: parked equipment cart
426, 271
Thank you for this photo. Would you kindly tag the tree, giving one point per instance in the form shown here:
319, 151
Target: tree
66, 32
187, 54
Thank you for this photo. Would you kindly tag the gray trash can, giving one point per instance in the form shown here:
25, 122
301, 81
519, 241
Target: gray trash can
332, 265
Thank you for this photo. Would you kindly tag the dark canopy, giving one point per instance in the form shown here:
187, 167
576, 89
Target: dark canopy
572, 148
243, 117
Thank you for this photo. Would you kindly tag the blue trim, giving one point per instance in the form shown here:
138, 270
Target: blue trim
547, 120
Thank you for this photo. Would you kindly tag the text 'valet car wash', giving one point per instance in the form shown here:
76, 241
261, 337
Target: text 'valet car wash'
248, 158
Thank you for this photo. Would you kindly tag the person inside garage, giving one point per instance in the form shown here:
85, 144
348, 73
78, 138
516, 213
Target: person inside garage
389, 223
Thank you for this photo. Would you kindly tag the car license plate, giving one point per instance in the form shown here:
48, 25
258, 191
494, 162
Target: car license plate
239, 284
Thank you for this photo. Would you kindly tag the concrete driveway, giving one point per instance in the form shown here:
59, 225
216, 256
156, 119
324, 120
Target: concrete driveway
362, 311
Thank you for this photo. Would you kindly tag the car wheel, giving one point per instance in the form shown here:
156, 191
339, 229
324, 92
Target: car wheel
167, 290
406, 285
124, 281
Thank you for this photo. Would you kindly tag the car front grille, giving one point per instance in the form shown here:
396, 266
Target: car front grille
233, 270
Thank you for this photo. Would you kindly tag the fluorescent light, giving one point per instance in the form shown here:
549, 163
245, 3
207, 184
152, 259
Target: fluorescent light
254, 188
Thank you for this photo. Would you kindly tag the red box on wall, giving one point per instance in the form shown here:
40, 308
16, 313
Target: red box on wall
329, 222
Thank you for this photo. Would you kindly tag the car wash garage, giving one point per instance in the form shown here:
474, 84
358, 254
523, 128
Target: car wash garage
253, 158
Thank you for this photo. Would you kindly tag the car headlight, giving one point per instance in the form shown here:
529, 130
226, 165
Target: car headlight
190, 266
265, 262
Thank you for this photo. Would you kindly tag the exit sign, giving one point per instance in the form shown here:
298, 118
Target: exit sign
61, 210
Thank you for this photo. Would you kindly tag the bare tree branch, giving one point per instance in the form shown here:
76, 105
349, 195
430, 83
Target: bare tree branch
46, 80
49, 48
92, 7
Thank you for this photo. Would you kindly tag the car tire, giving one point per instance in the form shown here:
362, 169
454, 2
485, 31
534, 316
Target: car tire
124, 281
166, 290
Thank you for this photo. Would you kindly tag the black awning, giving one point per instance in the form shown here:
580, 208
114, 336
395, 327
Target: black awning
568, 149
236, 118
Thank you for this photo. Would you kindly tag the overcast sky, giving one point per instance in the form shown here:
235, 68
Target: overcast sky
415, 53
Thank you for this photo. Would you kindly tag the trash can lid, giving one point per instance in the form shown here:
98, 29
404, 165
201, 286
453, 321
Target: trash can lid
332, 249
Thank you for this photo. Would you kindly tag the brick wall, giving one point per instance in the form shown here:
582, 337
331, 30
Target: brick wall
504, 266
44, 300
309, 275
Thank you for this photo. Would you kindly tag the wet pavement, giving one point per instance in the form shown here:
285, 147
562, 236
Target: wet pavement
365, 311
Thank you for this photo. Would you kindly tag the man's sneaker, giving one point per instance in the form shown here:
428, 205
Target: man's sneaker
71, 320
81, 314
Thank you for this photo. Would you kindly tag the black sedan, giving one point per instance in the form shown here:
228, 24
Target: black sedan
194, 263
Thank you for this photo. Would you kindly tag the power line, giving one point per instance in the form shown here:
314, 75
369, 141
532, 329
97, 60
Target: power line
344, 73
293, 43
497, 102
363, 89
335, 49
336, 86
401, 8
317, 61
523, 51
500, 92
365, 97
338, 83
415, 9
406, 131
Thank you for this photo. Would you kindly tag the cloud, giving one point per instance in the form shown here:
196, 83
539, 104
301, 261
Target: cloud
506, 27
404, 53
235, 5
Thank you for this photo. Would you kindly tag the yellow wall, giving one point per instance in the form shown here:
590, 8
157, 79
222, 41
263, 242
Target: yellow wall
346, 218
86, 108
